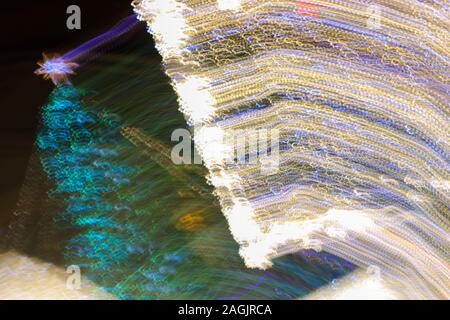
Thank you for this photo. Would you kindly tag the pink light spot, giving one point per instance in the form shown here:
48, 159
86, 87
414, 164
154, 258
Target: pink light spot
307, 9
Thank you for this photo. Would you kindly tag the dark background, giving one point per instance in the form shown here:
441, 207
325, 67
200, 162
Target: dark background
30, 28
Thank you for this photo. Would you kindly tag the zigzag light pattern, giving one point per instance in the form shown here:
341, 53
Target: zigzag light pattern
359, 92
